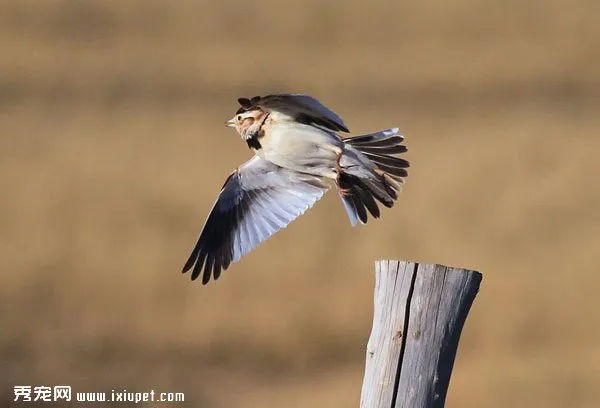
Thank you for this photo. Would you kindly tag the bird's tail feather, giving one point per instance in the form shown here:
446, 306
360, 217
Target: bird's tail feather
370, 173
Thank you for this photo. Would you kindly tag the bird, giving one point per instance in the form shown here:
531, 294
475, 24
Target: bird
298, 155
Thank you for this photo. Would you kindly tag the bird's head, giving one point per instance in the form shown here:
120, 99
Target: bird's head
248, 120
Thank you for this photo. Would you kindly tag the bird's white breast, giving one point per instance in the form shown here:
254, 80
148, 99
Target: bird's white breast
301, 147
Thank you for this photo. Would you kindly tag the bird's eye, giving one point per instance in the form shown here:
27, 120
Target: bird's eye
239, 117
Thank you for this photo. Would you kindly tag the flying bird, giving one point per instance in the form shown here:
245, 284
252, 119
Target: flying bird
297, 150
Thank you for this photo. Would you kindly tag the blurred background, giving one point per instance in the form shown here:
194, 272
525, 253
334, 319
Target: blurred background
112, 151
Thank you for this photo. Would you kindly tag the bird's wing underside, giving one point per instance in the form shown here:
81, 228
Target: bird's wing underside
256, 201
302, 108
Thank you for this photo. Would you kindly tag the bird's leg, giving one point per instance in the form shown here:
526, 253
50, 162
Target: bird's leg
338, 157
337, 161
344, 191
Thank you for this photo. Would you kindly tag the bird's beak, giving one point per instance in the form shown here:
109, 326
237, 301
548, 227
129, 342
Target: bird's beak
230, 123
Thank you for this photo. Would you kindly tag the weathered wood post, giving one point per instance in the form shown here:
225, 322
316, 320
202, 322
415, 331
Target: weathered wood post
420, 311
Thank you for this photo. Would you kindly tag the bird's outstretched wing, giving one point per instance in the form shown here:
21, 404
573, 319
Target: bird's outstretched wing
256, 201
302, 108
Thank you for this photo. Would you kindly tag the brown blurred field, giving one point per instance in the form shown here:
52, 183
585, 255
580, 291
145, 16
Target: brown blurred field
112, 151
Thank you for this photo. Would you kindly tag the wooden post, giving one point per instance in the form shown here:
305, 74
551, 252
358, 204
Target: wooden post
420, 311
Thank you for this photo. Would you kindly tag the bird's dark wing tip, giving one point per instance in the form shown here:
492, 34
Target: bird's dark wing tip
188, 265
214, 272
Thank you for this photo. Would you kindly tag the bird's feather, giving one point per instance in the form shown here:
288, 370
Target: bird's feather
301, 108
256, 201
